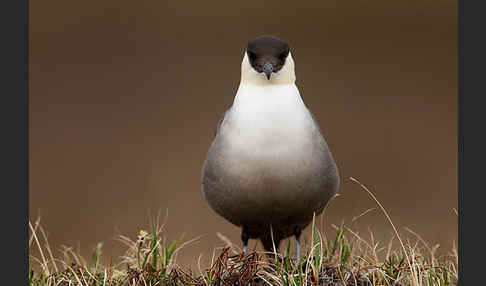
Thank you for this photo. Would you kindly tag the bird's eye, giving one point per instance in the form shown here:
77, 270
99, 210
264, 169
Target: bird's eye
251, 55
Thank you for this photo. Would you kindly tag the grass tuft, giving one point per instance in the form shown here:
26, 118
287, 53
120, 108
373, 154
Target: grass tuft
346, 259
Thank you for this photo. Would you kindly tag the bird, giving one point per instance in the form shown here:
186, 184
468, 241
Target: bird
269, 169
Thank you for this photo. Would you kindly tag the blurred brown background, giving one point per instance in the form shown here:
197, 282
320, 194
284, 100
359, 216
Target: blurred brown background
126, 96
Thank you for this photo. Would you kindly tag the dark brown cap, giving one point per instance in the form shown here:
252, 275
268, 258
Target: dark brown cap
267, 54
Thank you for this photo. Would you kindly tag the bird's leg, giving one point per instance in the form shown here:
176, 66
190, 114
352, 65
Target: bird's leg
297, 233
244, 238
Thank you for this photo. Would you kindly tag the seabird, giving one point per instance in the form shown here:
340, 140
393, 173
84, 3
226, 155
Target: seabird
269, 169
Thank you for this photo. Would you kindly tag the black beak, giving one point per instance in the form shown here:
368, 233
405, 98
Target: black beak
268, 69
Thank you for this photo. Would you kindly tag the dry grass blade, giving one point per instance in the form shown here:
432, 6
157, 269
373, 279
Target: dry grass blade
36, 225
394, 229
48, 248
362, 214
228, 242
44, 264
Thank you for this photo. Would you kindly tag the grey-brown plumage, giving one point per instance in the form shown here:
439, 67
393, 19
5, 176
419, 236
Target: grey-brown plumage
269, 166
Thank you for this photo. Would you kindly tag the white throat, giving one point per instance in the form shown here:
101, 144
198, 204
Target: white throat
286, 75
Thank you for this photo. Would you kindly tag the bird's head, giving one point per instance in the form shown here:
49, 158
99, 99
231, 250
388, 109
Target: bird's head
267, 60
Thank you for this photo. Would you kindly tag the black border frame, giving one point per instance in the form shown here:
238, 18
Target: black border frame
471, 63
14, 122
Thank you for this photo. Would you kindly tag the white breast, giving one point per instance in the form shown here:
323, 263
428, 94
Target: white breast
268, 130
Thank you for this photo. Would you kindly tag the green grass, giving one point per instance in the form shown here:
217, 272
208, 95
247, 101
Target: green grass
347, 258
